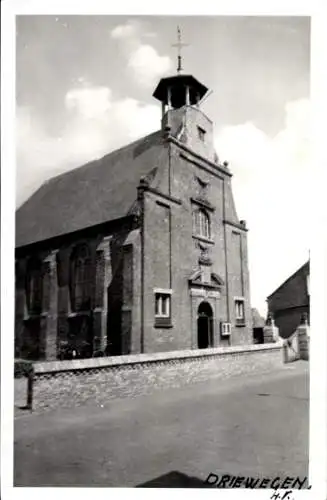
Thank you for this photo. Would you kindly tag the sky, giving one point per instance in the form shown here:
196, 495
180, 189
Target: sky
84, 87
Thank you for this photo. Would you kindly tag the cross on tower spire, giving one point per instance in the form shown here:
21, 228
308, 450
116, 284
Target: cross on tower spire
179, 46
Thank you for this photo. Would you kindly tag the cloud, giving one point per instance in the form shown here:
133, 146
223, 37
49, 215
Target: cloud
33, 146
134, 119
150, 34
89, 102
95, 125
147, 65
271, 186
144, 64
127, 30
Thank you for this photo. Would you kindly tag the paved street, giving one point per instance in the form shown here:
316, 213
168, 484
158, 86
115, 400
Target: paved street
247, 426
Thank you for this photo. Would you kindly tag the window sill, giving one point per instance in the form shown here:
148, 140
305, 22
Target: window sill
74, 314
240, 323
202, 238
163, 323
35, 315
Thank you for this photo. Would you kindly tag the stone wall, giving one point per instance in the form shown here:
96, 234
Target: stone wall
95, 381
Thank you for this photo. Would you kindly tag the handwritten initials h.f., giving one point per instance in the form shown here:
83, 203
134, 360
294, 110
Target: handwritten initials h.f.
279, 496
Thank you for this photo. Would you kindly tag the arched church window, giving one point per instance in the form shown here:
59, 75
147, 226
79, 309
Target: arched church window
201, 223
34, 282
80, 278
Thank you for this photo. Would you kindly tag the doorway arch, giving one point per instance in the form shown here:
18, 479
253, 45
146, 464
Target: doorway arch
205, 326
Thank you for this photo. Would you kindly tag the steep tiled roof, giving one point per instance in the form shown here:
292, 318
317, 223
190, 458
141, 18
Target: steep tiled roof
97, 192
304, 269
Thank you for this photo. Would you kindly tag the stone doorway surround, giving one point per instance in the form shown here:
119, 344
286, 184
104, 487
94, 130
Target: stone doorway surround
204, 288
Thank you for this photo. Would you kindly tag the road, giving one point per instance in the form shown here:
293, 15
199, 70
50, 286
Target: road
248, 426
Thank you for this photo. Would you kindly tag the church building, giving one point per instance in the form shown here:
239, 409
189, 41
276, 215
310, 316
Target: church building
140, 251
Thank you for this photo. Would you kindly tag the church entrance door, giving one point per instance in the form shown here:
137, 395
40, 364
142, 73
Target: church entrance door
205, 326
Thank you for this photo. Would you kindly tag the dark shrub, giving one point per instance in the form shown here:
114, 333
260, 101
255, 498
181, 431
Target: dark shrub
22, 368
98, 354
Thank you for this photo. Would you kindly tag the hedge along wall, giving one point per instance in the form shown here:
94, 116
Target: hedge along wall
73, 383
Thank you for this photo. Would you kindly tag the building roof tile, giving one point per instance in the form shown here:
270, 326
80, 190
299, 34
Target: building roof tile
100, 191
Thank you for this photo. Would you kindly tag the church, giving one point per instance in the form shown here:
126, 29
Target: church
140, 251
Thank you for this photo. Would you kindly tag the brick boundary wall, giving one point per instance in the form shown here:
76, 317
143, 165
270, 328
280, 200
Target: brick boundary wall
66, 384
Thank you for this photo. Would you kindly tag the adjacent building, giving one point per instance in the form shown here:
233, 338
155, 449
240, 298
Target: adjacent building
140, 251
291, 301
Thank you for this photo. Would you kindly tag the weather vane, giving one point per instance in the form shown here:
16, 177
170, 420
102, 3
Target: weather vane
179, 46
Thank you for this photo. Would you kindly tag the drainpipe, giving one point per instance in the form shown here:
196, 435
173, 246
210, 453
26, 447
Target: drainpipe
225, 252
140, 196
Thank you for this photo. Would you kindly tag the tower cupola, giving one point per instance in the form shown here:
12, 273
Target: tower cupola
179, 90
180, 96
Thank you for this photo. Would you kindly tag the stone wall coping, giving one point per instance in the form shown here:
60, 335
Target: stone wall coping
133, 359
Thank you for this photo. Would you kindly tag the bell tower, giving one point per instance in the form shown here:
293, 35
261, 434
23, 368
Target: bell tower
180, 96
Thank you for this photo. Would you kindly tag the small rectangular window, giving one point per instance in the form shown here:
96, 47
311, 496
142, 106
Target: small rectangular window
225, 329
162, 305
239, 311
163, 308
201, 133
